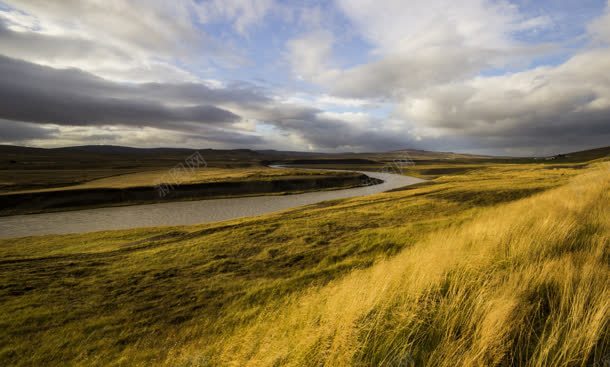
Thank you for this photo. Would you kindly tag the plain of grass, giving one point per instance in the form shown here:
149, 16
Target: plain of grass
526, 283
499, 265
152, 177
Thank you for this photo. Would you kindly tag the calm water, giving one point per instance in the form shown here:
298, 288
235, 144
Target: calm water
178, 213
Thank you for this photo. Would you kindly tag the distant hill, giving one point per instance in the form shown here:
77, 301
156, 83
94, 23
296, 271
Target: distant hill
358, 161
117, 149
112, 156
85, 151
586, 155
417, 154
108, 156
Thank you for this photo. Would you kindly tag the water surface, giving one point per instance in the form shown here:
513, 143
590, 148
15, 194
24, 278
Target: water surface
181, 213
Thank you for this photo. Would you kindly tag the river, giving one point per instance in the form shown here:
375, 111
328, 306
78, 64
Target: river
182, 212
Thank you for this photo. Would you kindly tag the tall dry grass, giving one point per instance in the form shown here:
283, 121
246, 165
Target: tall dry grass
523, 284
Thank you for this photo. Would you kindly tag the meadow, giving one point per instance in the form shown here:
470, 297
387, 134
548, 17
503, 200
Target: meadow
199, 175
165, 185
490, 264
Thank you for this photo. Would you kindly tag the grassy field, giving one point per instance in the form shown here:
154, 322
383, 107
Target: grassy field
494, 264
139, 187
23, 168
200, 175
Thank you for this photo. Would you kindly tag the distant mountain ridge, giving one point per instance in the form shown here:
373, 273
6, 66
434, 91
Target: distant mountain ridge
266, 153
119, 149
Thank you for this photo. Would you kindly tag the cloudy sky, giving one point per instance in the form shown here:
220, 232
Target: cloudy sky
514, 77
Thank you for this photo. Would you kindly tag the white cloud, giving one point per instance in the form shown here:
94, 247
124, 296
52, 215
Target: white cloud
355, 118
310, 54
326, 100
533, 24
107, 61
396, 26
243, 14
600, 28
124, 40
425, 58
571, 100
416, 44
142, 25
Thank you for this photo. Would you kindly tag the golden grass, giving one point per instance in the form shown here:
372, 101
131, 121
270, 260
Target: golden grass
503, 265
201, 175
525, 283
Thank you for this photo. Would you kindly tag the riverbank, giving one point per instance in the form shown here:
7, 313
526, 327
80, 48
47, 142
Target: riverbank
186, 212
83, 197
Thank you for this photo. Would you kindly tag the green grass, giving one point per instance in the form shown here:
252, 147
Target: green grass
153, 296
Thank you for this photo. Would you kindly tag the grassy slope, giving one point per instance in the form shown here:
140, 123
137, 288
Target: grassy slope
138, 187
150, 178
447, 273
34, 168
526, 283
23, 168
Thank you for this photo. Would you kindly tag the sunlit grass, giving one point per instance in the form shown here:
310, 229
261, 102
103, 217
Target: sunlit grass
525, 283
505, 264
199, 175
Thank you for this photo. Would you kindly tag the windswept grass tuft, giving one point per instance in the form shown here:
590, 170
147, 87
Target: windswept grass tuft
525, 283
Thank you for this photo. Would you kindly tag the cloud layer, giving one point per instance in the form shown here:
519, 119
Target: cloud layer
487, 76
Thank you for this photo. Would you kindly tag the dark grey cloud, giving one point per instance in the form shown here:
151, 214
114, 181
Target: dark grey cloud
34, 93
534, 145
35, 46
15, 131
235, 93
425, 64
230, 138
563, 115
72, 97
564, 107
33, 96
329, 134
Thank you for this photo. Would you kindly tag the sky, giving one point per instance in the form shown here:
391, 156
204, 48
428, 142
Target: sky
520, 77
